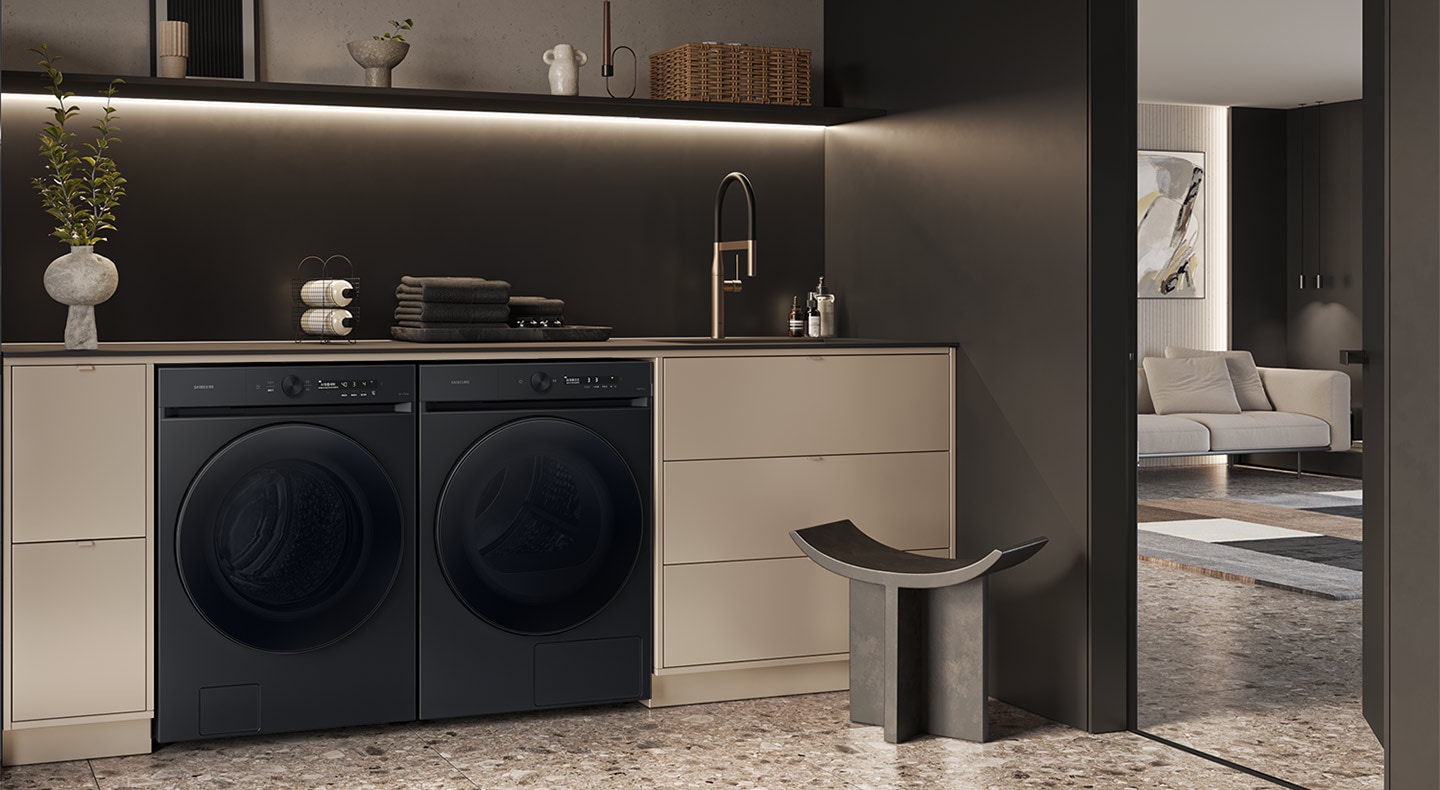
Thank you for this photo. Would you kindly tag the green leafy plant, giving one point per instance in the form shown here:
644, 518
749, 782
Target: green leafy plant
79, 189
395, 34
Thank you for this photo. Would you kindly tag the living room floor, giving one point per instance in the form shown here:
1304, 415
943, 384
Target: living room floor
1267, 678
1264, 677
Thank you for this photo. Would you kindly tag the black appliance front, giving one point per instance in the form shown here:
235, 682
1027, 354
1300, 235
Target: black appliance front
535, 558
285, 567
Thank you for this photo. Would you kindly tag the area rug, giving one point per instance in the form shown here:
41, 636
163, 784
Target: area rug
1305, 546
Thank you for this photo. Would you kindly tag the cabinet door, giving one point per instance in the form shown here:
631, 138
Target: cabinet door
78, 628
744, 509
751, 407
77, 452
744, 611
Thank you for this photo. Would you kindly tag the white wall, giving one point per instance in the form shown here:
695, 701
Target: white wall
482, 45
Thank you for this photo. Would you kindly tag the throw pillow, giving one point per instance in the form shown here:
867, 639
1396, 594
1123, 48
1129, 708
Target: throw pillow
1249, 390
1190, 384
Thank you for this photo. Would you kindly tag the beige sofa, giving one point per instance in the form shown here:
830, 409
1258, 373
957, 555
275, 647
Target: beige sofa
1311, 411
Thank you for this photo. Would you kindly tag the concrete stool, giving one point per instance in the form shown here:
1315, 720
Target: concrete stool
917, 631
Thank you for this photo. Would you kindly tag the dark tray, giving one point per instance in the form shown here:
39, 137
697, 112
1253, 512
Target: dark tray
500, 334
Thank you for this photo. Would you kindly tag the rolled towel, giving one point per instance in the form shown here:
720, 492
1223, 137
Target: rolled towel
471, 290
447, 325
536, 306
452, 312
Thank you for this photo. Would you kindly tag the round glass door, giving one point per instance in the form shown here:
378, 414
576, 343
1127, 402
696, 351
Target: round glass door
289, 538
539, 525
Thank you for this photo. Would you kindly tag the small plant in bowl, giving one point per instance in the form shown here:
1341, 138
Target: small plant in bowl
379, 54
395, 35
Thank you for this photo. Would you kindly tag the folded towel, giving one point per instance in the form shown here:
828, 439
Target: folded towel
454, 289
450, 325
452, 312
535, 305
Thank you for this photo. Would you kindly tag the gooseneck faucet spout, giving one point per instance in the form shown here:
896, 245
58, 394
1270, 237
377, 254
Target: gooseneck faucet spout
718, 284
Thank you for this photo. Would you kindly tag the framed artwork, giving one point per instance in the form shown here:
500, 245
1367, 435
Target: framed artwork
221, 39
1170, 225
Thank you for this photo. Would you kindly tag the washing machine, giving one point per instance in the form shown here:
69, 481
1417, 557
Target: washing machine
285, 575
535, 545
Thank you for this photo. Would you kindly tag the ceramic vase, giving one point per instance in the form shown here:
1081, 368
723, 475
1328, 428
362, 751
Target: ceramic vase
378, 56
81, 279
565, 62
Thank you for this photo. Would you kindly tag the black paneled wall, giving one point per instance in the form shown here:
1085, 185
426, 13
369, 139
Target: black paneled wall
613, 216
1258, 218
992, 208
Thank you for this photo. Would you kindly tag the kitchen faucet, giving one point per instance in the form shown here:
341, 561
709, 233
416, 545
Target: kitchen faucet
718, 284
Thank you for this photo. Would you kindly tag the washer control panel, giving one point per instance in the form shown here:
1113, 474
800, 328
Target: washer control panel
285, 385
530, 381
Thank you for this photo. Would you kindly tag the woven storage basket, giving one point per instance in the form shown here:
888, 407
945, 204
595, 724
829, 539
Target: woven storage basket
731, 73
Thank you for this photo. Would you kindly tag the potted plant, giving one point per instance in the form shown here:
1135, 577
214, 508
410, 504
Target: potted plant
379, 54
80, 189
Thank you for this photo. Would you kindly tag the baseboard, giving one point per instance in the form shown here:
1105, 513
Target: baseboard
721, 684
75, 742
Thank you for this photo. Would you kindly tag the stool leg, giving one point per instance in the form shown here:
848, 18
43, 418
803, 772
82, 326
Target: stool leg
905, 675
956, 661
867, 653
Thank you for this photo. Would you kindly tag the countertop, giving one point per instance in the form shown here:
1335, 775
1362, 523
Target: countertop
395, 350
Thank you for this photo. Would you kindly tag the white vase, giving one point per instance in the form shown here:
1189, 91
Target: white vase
565, 62
81, 279
378, 56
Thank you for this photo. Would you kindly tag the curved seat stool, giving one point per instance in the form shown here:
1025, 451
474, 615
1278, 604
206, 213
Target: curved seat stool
917, 631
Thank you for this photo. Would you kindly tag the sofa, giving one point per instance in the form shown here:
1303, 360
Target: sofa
1198, 402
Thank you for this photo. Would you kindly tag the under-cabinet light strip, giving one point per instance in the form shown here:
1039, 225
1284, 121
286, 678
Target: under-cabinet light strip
120, 102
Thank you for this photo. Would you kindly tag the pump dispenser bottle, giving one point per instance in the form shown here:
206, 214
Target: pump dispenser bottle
825, 306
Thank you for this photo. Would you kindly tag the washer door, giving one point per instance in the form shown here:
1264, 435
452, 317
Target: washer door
289, 538
539, 525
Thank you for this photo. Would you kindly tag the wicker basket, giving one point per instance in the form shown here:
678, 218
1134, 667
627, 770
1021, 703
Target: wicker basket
731, 73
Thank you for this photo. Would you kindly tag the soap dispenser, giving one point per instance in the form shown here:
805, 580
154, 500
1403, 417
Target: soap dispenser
825, 306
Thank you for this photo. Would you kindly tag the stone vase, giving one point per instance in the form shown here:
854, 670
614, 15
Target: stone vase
565, 62
81, 279
378, 56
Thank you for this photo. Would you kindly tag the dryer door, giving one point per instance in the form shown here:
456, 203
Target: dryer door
539, 525
289, 538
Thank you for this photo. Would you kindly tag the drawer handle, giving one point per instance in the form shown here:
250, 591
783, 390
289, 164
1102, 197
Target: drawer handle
816, 359
85, 544
817, 457
85, 367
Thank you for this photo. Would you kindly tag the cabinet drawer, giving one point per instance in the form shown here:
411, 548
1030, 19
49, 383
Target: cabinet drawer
745, 611
744, 509
77, 438
749, 407
78, 629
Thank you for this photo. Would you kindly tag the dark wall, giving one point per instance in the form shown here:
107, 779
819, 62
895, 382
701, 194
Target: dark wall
1259, 287
224, 201
967, 215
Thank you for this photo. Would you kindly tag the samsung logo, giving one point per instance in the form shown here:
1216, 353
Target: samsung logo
203, 387
459, 381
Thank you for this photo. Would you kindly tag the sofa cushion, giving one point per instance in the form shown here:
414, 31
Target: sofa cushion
1191, 384
1160, 434
1143, 403
1263, 430
1244, 376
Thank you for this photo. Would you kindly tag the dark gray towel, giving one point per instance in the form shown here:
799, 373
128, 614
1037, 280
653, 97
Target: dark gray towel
449, 325
472, 290
536, 306
451, 312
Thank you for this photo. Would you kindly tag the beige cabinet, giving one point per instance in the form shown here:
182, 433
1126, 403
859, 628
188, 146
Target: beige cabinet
755, 446
77, 561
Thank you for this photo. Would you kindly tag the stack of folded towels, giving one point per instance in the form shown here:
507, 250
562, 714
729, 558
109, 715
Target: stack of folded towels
536, 311
452, 303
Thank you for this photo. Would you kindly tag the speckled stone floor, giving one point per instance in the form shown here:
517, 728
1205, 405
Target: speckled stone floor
1259, 676
1263, 677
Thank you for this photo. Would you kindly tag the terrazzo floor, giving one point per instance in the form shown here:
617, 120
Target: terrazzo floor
1265, 678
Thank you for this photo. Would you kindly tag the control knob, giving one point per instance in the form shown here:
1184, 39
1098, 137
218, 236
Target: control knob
540, 382
293, 386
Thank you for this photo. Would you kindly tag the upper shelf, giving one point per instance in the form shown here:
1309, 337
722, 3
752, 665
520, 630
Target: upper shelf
194, 89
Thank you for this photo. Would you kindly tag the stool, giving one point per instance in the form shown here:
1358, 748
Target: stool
917, 631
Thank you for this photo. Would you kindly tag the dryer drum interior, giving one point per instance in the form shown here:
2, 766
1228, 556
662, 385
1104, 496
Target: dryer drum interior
289, 538
539, 526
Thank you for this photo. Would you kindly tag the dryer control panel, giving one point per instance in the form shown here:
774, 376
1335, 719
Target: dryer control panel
589, 379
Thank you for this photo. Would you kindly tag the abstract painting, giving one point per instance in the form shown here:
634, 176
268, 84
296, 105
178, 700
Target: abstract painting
1170, 225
